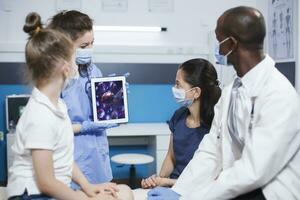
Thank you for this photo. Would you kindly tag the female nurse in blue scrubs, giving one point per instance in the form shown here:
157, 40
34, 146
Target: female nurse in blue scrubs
91, 144
197, 91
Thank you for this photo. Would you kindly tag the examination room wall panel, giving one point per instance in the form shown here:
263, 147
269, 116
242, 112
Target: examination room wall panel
146, 103
189, 25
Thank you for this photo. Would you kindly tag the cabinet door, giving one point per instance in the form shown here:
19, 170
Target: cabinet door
10, 141
162, 145
3, 174
3, 193
162, 142
160, 157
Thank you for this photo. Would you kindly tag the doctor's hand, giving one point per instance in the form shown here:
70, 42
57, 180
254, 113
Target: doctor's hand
92, 127
93, 190
162, 193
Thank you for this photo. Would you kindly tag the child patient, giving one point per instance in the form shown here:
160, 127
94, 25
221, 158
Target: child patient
43, 165
197, 91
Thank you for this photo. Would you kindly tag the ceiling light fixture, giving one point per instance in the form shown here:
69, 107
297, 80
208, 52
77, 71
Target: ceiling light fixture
130, 28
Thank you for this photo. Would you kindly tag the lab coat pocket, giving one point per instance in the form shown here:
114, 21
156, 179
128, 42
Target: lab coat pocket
82, 154
103, 152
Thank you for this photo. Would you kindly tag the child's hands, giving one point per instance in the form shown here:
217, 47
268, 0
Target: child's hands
92, 190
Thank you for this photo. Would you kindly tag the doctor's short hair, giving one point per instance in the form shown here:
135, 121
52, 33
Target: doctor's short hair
201, 73
247, 25
45, 49
73, 23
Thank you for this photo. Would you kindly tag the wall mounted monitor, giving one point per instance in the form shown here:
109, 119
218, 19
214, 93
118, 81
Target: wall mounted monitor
14, 105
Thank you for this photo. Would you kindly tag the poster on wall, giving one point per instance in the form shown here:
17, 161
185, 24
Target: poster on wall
116, 6
281, 30
68, 5
161, 6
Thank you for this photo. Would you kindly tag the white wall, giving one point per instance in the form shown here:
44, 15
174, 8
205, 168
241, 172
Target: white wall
297, 31
190, 26
190, 30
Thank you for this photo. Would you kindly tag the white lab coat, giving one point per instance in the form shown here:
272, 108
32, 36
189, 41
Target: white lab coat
270, 158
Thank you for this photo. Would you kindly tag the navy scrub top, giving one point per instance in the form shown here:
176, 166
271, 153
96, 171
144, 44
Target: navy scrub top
185, 140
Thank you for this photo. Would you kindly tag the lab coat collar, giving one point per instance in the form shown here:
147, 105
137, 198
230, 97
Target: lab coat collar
43, 99
255, 78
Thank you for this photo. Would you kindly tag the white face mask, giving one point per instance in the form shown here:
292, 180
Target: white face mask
72, 78
180, 97
222, 59
84, 56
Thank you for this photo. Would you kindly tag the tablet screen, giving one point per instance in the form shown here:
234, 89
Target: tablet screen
109, 99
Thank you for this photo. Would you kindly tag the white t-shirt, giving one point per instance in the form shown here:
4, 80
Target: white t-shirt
41, 126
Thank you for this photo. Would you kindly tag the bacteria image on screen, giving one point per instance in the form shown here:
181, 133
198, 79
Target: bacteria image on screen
109, 100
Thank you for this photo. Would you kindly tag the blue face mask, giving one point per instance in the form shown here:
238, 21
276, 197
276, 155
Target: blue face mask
221, 59
180, 98
84, 56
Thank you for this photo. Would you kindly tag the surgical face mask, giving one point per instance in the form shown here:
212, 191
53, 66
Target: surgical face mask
221, 59
180, 97
84, 56
70, 80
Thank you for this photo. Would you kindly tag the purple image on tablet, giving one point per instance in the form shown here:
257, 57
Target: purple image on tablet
109, 100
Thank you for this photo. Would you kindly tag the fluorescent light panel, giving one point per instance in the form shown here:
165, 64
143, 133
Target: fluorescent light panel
130, 28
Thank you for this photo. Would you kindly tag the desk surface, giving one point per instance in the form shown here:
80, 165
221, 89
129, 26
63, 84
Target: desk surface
139, 129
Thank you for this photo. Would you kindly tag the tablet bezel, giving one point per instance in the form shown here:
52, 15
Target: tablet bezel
108, 79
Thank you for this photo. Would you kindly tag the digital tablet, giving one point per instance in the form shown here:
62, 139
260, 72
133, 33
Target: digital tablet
109, 99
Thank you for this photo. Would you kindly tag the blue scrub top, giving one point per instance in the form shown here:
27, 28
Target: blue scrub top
91, 151
185, 140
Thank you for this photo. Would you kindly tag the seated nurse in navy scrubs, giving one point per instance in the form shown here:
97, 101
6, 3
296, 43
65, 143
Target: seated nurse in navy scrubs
197, 91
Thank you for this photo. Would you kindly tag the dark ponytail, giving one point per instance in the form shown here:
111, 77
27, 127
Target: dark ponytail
201, 73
